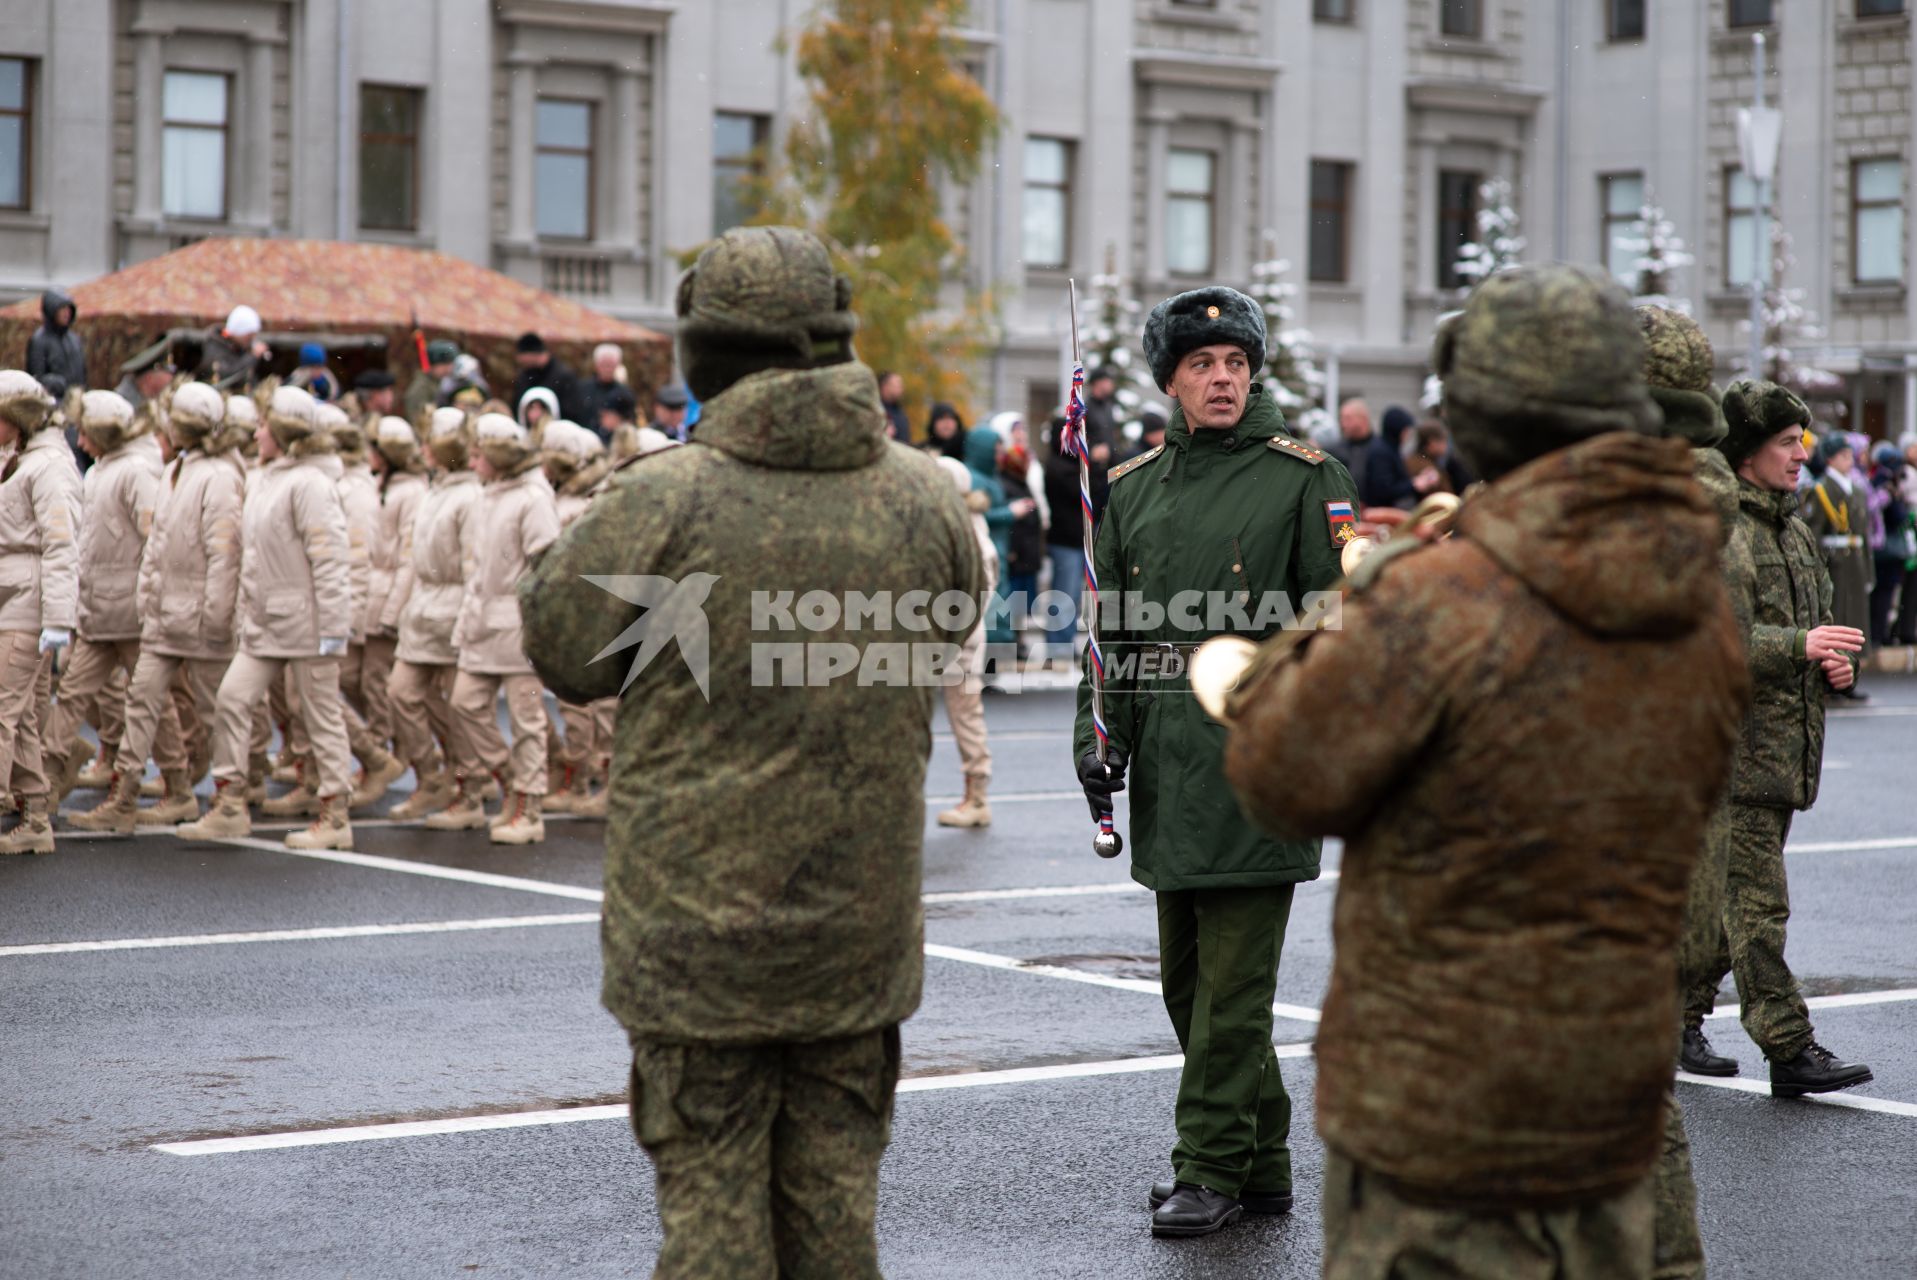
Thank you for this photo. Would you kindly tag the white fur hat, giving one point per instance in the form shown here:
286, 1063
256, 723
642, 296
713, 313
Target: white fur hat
196, 411
572, 440
105, 416
23, 401
291, 416
504, 442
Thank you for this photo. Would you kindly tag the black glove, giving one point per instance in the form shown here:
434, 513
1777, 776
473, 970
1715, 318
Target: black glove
1102, 781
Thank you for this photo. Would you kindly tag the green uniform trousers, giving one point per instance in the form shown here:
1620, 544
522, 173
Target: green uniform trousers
1218, 956
766, 1157
1750, 942
1373, 1233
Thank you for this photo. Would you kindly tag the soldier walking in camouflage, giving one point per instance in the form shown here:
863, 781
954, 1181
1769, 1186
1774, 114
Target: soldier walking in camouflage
1782, 593
763, 931
1532, 720
1235, 511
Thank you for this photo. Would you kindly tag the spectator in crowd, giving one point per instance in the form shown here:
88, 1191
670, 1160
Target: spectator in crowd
1433, 464
1024, 482
539, 367
1396, 427
1101, 417
981, 457
466, 387
148, 381
892, 399
1838, 513
1375, 466
54, 346
669, 405
944, 433
313, 375
1065, 539
964, 701
377, 390
618, 407
1151, 434
1893, 544
538, 407
608, 375
430, 384
1905, 630
230, 357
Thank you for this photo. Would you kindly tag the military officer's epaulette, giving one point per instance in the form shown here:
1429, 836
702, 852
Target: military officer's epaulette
1296, 449
1125, 468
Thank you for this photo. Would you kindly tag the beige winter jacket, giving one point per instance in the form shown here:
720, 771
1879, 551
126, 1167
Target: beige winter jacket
190, 576
391, 554
517, 518
444, 543
359, 498
39, 536
294, 587
116, 515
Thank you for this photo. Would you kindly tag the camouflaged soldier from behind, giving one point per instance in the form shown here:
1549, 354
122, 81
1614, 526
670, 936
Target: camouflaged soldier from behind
763, 931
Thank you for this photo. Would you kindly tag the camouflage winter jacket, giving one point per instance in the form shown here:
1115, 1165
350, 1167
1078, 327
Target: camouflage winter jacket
1520, 733
763, 848
1778, 581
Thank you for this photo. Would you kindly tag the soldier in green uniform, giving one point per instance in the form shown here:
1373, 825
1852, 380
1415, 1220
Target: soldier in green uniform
763, 934
1781, 592
1232, 508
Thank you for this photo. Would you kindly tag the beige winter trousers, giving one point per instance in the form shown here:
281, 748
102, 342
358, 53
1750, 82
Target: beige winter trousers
475, 700
965, 708
422, 711
315, 682
26, 682
150, 709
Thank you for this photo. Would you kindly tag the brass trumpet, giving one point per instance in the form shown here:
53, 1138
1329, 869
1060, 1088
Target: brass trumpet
1218, 666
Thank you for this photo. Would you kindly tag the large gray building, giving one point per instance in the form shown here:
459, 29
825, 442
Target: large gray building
580, 144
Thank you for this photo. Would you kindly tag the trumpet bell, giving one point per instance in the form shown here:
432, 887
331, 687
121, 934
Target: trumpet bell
1354, 554
1216, 667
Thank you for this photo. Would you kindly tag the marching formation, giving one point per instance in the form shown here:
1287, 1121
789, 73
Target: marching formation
232, 566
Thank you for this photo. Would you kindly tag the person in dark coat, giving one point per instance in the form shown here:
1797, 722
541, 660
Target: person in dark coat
892, 400
54, 347
1027, 537
1065, 539
539, 367
944, 433
1375, 465
1101, 418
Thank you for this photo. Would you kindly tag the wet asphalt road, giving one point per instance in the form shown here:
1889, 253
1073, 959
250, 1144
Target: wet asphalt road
108, 1052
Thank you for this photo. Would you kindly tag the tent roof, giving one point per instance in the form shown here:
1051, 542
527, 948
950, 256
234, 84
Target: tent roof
322, 284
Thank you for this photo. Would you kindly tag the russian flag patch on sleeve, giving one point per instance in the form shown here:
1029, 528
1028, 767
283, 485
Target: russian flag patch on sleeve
1342, 519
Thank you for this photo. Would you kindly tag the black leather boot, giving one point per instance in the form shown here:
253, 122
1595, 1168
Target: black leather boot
1194, 1211
1254, 1201
1815, 1070
1695, 1055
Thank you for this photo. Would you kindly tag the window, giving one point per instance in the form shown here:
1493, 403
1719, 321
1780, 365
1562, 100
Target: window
1331, 10
1457, 221
1330, 220
1623, 202
1190, 178
1878, 8
16, 133
1750, 13
1048, 202
193, 112
738, 160
388, 158
1740, 227
1877, 221
1461, 18
562, 169
1624, 19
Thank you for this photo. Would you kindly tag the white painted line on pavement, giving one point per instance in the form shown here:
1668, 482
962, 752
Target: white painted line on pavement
1012, 797
1296, 1012
299, 935
1866, 713
619, 1111
1855, 1101
1853, 846
1896, 995
430, 870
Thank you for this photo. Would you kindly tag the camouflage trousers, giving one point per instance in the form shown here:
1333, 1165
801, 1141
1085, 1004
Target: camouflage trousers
766, 1157
1372, 1232
1750, 938
1679, 1248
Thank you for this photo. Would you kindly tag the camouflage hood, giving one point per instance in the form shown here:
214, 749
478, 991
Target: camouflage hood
799, 419
1565, 523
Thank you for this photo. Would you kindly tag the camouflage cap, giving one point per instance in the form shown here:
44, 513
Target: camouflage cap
1678, 360
1539, 358
761, 298
1754, 411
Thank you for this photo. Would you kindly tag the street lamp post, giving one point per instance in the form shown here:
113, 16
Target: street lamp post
1759, 130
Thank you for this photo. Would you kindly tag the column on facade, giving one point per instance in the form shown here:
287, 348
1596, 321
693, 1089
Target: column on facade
255, 204
523, 70
149, 85
1424, 214
1246, 208
1379, 227
627, 112
1157, 144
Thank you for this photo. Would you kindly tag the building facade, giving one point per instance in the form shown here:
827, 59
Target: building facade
582, 145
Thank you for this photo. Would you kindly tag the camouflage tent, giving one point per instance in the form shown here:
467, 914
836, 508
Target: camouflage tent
368, 299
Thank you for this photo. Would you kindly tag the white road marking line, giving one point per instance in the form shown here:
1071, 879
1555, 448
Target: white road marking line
619, 1111
299, 935
1853, 846
1896, 995
1855, 1101
1296, 1012
430, 870
1865, 713
1012, 797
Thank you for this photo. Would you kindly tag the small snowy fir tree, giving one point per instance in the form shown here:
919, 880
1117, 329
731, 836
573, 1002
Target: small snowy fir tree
1660, 254
1109, 322
1498, 244
1788, 326
1291, 374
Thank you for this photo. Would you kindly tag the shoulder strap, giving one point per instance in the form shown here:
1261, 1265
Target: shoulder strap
1295, 449
1126, 468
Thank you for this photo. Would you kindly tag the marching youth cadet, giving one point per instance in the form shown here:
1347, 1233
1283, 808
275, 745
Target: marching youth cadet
1779, 586
118, 494
575, 462
39, 588
443, 542
188, 591
1534, 720
1231, 510
401, 476
295, 615
516, 519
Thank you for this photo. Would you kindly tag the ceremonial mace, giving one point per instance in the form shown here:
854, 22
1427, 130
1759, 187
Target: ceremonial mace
1107, 843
